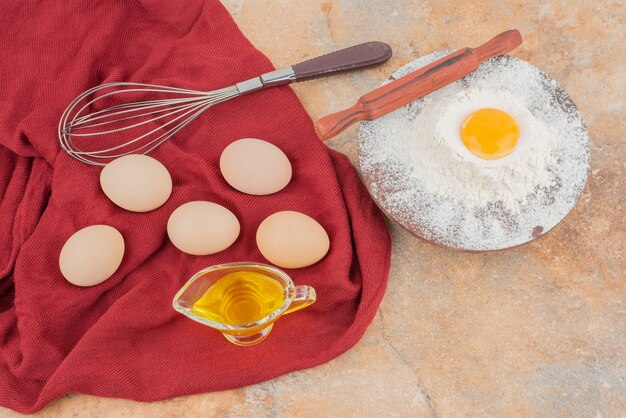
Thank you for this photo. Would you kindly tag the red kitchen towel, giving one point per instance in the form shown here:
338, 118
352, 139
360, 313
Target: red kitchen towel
122, 338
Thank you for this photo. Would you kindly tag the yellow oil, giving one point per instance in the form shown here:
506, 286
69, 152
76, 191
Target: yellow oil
240, 297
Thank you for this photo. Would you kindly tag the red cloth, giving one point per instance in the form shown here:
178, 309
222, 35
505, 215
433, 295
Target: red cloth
122, 338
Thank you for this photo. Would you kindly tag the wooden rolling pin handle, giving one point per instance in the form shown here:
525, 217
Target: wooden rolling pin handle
501, 44
335, 123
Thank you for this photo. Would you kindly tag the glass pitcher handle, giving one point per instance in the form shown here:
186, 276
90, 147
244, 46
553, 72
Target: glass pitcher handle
305, 296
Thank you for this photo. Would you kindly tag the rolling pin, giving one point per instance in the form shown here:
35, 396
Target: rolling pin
419, 83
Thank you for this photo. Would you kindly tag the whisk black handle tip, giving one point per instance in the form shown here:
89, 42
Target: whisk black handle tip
352, 58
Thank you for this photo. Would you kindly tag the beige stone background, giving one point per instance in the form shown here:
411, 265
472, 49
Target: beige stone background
534, 331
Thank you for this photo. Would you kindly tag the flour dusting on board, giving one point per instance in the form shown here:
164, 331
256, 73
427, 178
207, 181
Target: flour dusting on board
443, 165
419, 172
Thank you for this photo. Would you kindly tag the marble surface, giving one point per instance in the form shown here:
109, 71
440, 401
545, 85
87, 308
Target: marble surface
538, 330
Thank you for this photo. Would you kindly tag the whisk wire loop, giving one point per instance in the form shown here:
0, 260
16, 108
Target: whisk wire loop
120, 120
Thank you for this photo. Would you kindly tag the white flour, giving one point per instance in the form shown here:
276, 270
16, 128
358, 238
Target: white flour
434, 186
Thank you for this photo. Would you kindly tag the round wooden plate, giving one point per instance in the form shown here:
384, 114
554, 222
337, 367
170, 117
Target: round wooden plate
386, 171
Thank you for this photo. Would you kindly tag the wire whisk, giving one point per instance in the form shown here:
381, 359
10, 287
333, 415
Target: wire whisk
170, 115
115, 119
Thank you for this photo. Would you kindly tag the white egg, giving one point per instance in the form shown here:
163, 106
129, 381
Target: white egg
467, 102
255, 167
91, 255
136, 182
202, 228
292, 239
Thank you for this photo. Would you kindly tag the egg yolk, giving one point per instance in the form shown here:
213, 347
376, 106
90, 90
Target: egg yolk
490, 134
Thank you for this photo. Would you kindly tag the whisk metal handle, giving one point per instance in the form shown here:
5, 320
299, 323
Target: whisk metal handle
273, 78
354, 57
